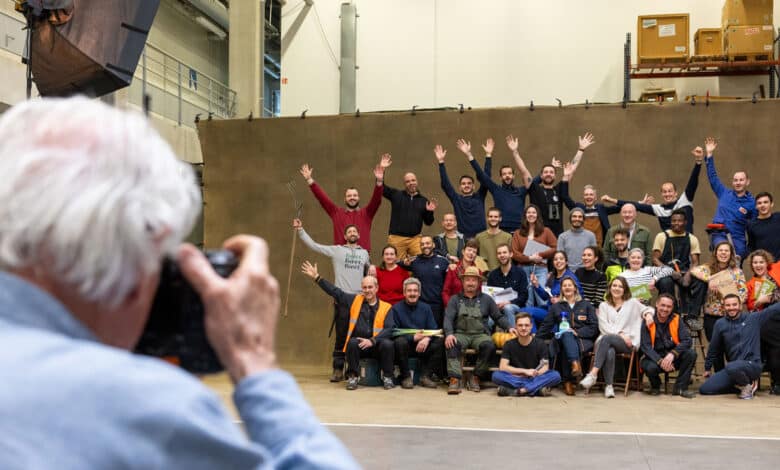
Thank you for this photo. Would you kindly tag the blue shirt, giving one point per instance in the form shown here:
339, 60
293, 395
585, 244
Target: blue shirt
728, 210
510, 199
469, 210
431, 272
69, 401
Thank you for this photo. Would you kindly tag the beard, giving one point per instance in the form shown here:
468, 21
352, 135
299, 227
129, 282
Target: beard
352, 205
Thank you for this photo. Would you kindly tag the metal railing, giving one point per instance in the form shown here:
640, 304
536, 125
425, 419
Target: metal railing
176, 90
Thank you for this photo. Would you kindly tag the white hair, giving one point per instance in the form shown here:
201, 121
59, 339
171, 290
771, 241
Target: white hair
91, 195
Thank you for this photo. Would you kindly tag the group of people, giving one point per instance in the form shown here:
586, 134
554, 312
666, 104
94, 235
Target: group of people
591, 293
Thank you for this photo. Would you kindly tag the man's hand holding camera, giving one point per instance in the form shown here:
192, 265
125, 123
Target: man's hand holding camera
240, 311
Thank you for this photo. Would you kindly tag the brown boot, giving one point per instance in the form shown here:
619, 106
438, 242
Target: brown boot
473, 383
569, 388
576, 369
337, 376
454, 388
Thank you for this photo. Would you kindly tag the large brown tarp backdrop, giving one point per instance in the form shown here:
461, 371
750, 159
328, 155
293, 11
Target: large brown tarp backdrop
247, 163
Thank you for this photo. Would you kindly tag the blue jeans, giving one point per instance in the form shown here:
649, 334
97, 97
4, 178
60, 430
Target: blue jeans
532, 385
541, 276
735, 374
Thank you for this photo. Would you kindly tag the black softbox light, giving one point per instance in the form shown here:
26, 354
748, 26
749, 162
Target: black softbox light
95, 52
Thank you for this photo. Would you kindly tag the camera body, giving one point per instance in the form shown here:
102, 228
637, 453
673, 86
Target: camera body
175, 330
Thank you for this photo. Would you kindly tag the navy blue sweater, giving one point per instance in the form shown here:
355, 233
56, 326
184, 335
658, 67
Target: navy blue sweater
739, 338
418, 316
431, 272
469, 210
509, 198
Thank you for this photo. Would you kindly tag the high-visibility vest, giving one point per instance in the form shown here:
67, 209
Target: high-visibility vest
674, 327
354, 313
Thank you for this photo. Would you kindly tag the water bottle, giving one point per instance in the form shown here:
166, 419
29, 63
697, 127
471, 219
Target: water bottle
563, 326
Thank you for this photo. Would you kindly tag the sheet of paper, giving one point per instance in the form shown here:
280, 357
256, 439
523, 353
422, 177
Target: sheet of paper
533, 247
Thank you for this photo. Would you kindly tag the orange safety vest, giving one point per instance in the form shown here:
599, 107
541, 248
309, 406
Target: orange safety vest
674, 327
354, 313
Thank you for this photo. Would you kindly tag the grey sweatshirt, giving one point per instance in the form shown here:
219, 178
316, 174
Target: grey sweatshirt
349, 264
572, 242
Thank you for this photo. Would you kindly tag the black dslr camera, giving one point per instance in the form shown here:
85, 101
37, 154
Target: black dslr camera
175, 330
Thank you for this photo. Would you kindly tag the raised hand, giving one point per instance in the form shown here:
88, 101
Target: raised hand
440, 153
431, 204
710, 145
511, 142
464, 146
568, 170
306, 171
609, 199
372, 270
488, 146
698, 154
648, 199
586, 141
379, 172
534, 280
310, 269
385, 161
297, 224
555, 162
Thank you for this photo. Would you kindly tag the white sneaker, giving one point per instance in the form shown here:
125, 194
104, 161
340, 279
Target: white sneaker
609, 392
588, 381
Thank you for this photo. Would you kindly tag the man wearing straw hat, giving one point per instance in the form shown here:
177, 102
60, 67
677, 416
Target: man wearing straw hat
465, 326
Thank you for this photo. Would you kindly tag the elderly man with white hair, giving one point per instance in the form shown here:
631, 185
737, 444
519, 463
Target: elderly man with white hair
93, 199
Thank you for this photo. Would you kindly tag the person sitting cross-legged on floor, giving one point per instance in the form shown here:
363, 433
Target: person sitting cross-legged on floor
409, 314
666, 347
370, 326
524, 367
465, 326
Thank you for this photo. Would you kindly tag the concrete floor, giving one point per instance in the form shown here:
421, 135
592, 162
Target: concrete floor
424, 423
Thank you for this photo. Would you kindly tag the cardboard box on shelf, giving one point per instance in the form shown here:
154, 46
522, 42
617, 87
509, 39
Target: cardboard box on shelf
708, 42
662, 38
746, 12
749, 40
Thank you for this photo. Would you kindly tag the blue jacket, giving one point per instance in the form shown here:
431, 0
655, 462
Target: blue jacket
602, 210
509, 198
469, 210
419, 316
431, 272
516, 279
739, 338
554, 283
728, 210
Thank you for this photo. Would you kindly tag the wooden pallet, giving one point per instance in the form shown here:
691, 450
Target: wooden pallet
708, 58
663, 60
750, 57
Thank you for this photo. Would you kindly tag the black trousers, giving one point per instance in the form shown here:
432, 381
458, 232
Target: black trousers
667, 285
405, 347
341, 325
683, 363
382, 351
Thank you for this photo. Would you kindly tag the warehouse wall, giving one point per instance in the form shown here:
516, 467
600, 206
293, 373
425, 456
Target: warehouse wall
248, 163
436, 53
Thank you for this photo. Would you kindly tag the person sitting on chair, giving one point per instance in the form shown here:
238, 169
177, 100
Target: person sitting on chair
666, 347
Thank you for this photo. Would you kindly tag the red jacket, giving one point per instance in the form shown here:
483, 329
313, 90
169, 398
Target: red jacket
452, 283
